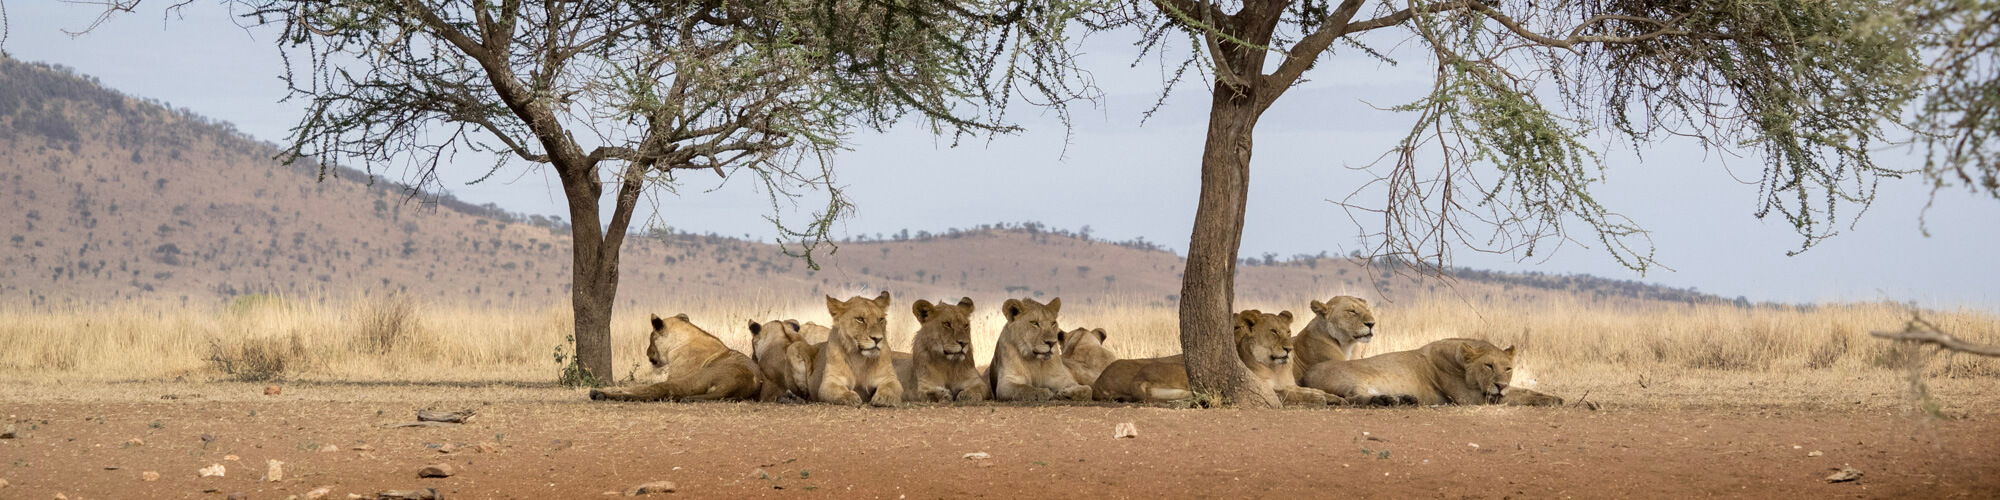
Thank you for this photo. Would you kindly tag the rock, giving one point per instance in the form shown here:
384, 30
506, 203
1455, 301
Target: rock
135, 442
1844, 474
436, 470
1125, 430
214, 470
207, 438
231, 458
328, 448
238, 496
487, 447
3, 483
149, 476
274, 471
447, 448
272, 390
60, 496
423, 494
318, 493
362, 447
759, 474
1815, 453
456, 417
651, 488
977, 455
8, 433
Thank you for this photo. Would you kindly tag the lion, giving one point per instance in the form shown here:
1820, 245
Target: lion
697, 365
1337, 325
851, 367
1083, 352
784, 359
939, 367
1449, 371
1263, 344
1026, 365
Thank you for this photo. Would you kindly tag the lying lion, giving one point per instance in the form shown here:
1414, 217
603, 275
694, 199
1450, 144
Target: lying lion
939, 367
1449, 371
697, 367
1263, 343
1338, 324
1026, 366
1083, 352
784, 359
851, 368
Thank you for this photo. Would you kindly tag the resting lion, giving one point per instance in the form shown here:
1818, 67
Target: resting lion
1263, 343
697, 365
1026, 366
1083, 352
784, 359
851, 367
939, 367
1337, 325
1449, 371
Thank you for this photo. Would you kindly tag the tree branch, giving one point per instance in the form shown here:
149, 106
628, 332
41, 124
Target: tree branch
1924, 332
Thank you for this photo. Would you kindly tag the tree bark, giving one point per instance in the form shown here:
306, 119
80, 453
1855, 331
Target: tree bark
594, 272
1208, 290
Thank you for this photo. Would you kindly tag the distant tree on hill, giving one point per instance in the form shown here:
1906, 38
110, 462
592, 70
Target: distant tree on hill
647, 92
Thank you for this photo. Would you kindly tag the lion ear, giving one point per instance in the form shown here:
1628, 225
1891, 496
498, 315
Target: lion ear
755, 328
1509, 350
1011, 309
1361, 300
835, 307
1467, 352
882, 300
1055, 306
1285, 315
922, 309
792, 323
966, 304
1100, 335
659, 324
1062, 337
1319, 308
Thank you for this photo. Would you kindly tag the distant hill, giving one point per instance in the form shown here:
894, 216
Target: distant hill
114, 198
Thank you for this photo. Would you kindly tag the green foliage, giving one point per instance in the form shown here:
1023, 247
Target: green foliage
571, 372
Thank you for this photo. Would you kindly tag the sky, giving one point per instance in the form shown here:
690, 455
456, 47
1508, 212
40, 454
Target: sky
1126, 179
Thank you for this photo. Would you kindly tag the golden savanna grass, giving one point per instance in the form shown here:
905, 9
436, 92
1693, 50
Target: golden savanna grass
1566, 347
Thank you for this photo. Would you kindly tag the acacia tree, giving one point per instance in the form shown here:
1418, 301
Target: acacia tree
624, 96
1520, 90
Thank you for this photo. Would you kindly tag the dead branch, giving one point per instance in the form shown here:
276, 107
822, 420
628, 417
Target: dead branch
1923, 331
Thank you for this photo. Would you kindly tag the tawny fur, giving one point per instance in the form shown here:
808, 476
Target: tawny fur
1085, 355
1449, 371
940, 366
1263, 344
853, 365
1338, 324
1026, 363
697, 366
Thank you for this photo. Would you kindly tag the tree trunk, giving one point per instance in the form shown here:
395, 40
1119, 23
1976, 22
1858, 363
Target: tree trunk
1208, 289
594, 273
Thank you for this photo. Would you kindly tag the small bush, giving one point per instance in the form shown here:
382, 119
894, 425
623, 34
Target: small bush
257, 359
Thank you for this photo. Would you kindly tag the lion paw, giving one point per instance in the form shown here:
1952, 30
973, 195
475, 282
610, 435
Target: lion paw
1078, 393
935, 395
972, 395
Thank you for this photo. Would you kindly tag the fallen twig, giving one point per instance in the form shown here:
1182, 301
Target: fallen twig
1923, 331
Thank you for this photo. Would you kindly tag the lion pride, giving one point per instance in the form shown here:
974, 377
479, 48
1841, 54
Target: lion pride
698, 367
1083, 352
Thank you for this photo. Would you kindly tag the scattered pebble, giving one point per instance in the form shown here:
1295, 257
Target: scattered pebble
1844, 474
149, 476
214, 470
651, 488
274, 471
362, 447
136, 442
1474, 445
977, 455
8, 433
447, 448
1125, 430
3, 483
760, 474
1815, 453
60, 496
231, 457
436, 470
423, 494
318, 493
272, 390
487, 447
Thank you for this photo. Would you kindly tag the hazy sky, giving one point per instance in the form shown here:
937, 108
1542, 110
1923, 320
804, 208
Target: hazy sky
1126, 180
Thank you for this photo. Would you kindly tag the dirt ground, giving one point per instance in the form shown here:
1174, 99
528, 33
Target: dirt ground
75, 440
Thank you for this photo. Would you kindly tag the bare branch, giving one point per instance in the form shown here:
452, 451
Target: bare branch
1924, 332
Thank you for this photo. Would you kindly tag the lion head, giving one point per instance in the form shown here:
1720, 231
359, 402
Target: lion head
770, 338
945, 330
662, 328
1346, 319
1264, 339
1488, 368
1032, 328
861, 324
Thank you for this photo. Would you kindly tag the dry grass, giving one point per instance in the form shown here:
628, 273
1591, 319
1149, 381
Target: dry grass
399, 339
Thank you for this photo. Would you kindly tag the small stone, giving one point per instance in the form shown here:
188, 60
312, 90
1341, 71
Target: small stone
651, 488
8, 433
214, 471
1815, 453
362, 447
272, 390
231, 457
1124, 431
977, 455
487, 447
149, 476
447, 448
238, 496
318, 493
983, 465
759, 474
436, 470
1844, 474
60, 496
3, 483
423, 494
274, 471
207, 438
135, 442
